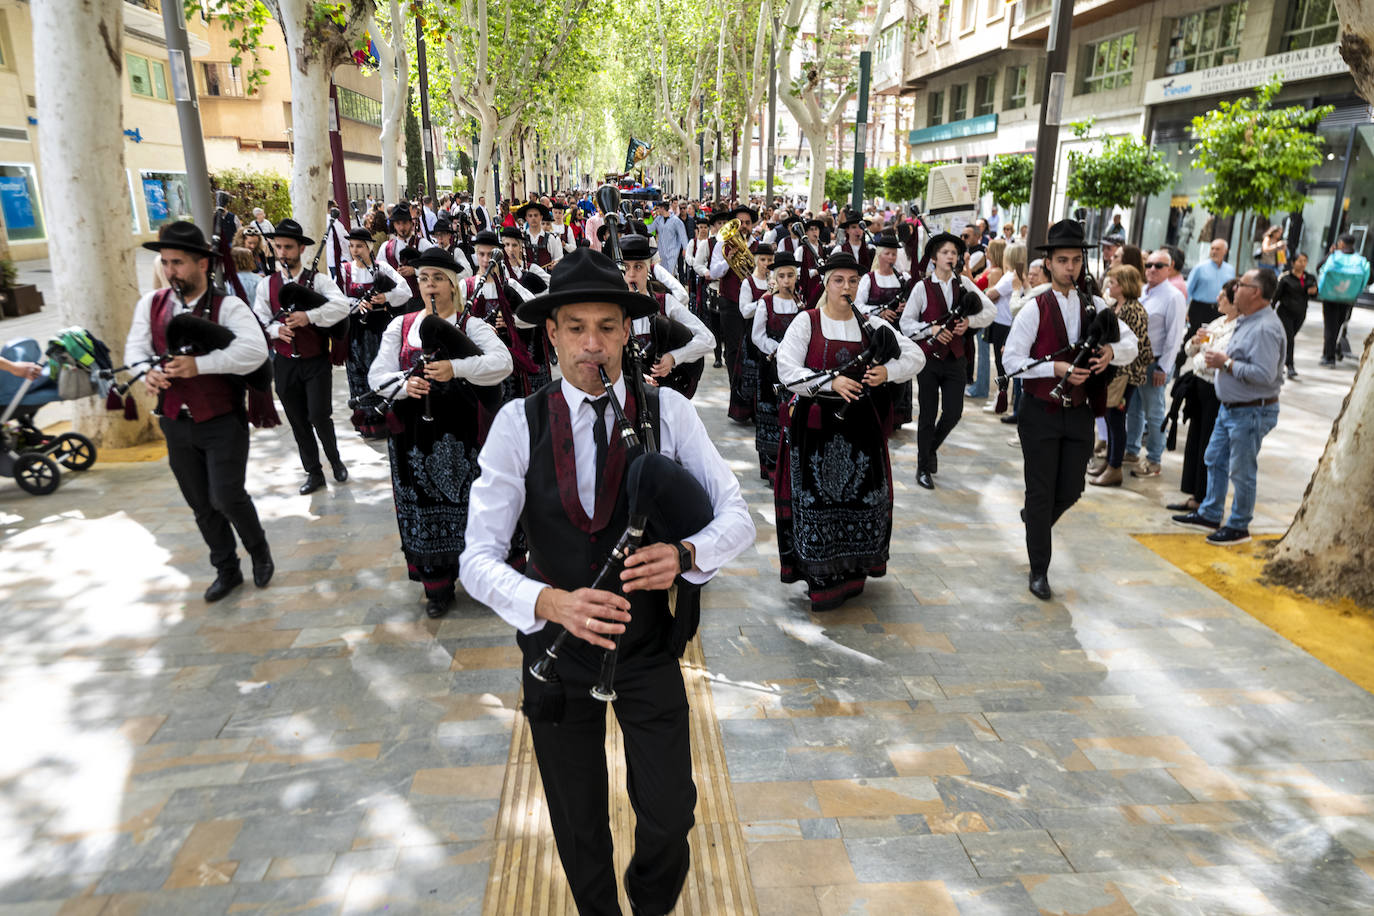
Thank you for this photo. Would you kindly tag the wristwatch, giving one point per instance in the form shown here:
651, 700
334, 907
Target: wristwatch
1227, 364
684, 558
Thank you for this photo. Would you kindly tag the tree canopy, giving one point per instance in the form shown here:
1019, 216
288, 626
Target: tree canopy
1008, 180
1124, 168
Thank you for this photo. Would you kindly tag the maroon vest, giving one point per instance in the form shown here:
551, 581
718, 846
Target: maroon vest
410, 354
308, 340
391, 250
205, 396
756, 291
824, 353
1051, 337
881, 296
775, 324
936, 309
729, 283
539, 251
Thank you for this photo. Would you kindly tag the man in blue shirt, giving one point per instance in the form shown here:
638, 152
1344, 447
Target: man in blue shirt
1249, 376
672, 237
1204, 285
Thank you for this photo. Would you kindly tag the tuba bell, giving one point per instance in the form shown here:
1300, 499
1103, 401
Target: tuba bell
737, 253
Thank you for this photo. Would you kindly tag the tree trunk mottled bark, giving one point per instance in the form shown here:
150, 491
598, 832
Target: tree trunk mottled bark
81, 153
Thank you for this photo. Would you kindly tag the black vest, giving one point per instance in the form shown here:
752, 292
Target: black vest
567, 549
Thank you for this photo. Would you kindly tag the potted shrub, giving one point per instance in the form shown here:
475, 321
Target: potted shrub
17, 298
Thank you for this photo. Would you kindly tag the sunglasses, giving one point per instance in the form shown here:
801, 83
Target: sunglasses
1155, 264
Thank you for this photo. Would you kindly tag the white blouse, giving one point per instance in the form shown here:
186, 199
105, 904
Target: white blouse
795, 343
490, 368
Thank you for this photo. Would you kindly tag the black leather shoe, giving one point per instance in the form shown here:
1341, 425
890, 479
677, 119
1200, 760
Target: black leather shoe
1180, 507
934, 464
923, 479
224, 583
437, 607
312, 483
1040, 586
1009, 419
719, 364
340, 472
263, 567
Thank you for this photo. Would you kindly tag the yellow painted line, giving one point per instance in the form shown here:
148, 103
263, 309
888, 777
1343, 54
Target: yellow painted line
1339, 633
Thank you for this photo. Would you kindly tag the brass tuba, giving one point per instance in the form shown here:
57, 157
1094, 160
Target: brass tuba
737, 253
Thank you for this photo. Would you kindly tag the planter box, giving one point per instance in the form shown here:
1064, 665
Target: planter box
22, 299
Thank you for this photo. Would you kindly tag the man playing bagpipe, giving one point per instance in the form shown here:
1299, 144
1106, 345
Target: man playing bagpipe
854, 229
773, 315
531, 276
560, 228
404, 234
678, 353
447, 241
810, 282
833, 490
1060, 345
939, 312
302, 310
542, 247
595, 611
201, 399
376, 294
709, 287
441, 367
493, 297
696, 288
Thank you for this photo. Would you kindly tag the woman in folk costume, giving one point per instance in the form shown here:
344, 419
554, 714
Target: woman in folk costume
377, 294
882, 292
833, 493
774, 313
434, 451
493, 296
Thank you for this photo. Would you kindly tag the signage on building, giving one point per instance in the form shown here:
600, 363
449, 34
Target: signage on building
1306, 64
969, 127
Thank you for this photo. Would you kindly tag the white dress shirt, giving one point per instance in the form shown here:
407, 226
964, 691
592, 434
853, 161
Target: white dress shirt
498, 497
675, 307
702, 261
362, 276
341, 237
868, 281
554, 246
795, 343
391, 248
1167, 310
1026, 325
758, 331
323, 316
747, 303
245, 353
913, 323
490, 368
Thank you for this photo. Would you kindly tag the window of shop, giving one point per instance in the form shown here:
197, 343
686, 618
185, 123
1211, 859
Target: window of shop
1310, 23
936, 113
19, 201
167, 197
1205, 39
1108, 64
984, 96
958, 102
147, 77
1017, 77
357, 107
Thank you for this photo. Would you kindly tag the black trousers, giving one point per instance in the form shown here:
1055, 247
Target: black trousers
652, 711
304, 387
732, 329
1334, 314
1056, 446
711, 315
939, 389
209, 460
1292, 324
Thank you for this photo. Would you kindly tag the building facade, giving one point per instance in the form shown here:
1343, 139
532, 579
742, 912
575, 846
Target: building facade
977, 71
242, 130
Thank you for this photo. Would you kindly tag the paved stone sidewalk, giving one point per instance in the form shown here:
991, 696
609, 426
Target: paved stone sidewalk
943, 744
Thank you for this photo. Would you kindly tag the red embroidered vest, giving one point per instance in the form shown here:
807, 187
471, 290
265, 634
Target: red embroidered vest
936, 309
205, 396
308, 340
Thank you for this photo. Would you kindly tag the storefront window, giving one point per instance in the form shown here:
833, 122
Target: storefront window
1310, 23
166, 196
19, 200
1173, 216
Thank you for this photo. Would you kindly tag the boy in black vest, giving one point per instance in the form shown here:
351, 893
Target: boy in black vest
555, 462
201, 402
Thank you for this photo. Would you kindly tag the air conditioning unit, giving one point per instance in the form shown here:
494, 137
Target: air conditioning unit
953, 187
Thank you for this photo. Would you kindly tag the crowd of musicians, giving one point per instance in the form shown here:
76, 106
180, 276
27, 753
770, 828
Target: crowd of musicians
532, 372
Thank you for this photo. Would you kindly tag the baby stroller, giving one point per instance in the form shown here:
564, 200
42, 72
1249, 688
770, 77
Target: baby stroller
71, 363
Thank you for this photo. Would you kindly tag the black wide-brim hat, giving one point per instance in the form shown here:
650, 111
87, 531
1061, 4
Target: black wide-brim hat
436, 257
635, 248
1067, 233
783, 259
841, 261
743, 211
720, 216
402, 212
487, 237
764, 248
815, 224
360, 235
934, 243
584, 276
290, 229
853, 221
533, 205
886, 240
442, 225
510, 232
182, 235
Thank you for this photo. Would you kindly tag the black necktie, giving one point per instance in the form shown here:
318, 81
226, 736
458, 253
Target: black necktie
599, 436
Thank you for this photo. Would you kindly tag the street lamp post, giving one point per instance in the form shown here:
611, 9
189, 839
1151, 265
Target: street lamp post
1051, 114
188, 114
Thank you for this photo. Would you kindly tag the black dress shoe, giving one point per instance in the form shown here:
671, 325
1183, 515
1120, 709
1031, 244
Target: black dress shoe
923, 479
340, 472
1009, 418
312, 483
263, 567
1040, 586
933, 465
719, 364
1180, 507
224, 583
437, 607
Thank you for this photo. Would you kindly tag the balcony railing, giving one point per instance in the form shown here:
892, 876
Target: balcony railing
221, 81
